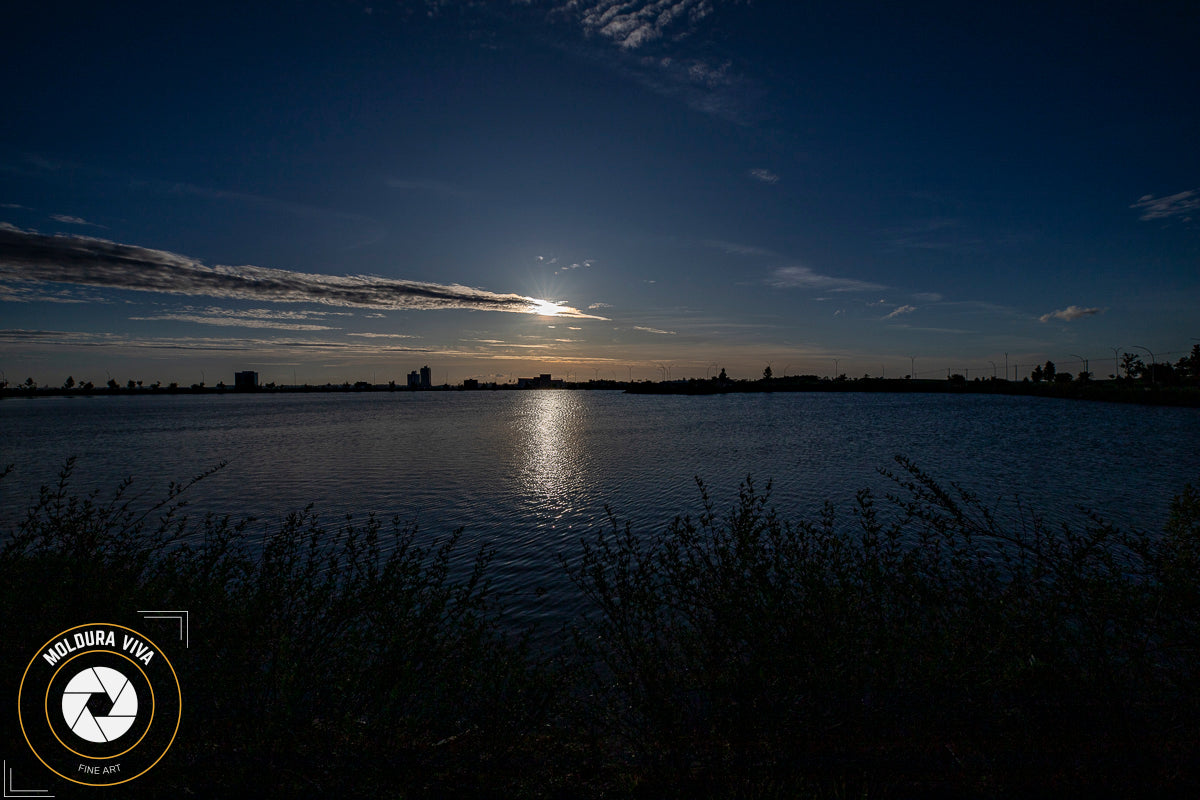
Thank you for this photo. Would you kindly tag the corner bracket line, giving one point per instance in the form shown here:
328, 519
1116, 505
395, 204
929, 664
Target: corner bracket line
185, 634
10, 791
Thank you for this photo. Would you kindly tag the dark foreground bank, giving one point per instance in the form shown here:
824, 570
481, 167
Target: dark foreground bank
911, 646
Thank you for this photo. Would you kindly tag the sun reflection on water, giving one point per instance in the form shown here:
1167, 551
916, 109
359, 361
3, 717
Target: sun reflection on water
549, 434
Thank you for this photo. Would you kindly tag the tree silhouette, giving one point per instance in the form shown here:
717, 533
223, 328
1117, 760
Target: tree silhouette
1131, 365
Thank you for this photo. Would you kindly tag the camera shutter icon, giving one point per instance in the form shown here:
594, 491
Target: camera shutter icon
99, 704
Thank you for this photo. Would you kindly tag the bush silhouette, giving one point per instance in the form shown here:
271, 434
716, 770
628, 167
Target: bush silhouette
925, 643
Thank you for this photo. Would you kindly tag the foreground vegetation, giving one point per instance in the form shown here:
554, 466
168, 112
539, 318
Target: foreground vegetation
915, 645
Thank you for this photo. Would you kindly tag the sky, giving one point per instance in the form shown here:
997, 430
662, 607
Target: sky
329, 190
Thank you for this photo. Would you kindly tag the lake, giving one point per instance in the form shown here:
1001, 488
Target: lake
529, 472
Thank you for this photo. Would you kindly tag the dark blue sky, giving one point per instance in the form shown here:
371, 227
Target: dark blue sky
333, 190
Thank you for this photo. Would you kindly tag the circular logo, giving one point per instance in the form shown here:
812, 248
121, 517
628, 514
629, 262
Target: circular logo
86, 712
100, 704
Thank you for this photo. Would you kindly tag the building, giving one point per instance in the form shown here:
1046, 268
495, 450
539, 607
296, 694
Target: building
421, 380
245, 381
543, 381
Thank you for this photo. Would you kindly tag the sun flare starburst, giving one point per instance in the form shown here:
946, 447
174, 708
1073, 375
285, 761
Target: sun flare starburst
546, 308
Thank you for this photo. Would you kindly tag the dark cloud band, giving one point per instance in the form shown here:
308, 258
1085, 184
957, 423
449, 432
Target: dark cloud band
89, 261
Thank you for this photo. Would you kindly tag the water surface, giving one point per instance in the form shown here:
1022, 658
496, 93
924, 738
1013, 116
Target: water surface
529, 472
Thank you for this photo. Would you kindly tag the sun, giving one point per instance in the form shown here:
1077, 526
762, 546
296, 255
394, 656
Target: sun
546, 308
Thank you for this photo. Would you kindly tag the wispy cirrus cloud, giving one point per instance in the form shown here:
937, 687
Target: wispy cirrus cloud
653, 330
584, 264
901, 311
711, 88
384, 335
1183, 204
805, 278
18, 291
1070, 314
84, 339
70, 220
650, 39
86, 261
233, 322
633, 23
764, 175
247, 318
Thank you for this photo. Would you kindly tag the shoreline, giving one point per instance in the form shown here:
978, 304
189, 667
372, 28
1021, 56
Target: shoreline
1114, 391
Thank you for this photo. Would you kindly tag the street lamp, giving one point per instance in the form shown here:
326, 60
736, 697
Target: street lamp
1082, 360
1153, 364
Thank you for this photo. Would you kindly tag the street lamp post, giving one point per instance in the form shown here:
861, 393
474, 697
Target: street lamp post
1083, 361
1153, 364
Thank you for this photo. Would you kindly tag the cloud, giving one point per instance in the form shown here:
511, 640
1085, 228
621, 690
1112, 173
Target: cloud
259, 314
653, 330
1070, 313
1183, 204
595, 306
632, 24
80, 339
86, 261
713, 89
384, 335
705, 84
73, 220
805, 278
764, 175
237, 320
901, 310
32, 292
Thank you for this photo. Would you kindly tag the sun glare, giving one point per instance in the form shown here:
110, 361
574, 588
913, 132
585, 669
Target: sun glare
545, 308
